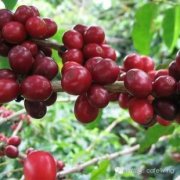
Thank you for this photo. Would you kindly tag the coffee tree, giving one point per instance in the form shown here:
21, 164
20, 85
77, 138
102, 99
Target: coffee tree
43, 69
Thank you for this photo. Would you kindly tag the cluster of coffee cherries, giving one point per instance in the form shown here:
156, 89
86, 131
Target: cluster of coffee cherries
32, 67
89, 65
152, 95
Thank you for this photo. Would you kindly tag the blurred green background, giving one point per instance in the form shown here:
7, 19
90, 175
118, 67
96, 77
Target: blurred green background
147, 27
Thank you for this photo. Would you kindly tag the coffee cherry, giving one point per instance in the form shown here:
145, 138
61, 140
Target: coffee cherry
7, 74
14, 140
72, 39
76, 81
9, 90
113, 97
124, 99
92, 50
69, 65
105, 72
60, 165
94, 34
97, 96
148, 63
4, 49
20, 59
23, 13
36, 110
152, 75
14, 32
74, 55
32, 47
51, 27
5, 17
163, 121
36, 88
30, 150
35, 11
83, 111
80, 28
47, 68
151, 123
141, 110
161, 72
36, 27
173, 71
165, 108
138, 83
164, 86
51, 100
11, 151
109, 52
132, 61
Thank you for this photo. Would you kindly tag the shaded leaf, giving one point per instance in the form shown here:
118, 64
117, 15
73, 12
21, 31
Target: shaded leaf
10, 4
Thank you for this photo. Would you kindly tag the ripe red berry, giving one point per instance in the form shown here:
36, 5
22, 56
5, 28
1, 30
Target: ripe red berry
23, 13
80, 28
20, 59
5, 17
83, 111
60, 165
36, 27
109, 52
74, 55
7, 74
51, 100
138, 83
97, 96
30, 150
36, 88
11, 151
69, 65
32, 47
47, 68
105, 72
14, 140
35, 11
173, 71
92, 50
76, 80
9, 90
14, 32
152, 74
40, 165
73, 39
161, 72
94, 34
51, 27
148, 63
141, 110
164, 86
36, 109
132, 61
113, 96
163, 121
124, 99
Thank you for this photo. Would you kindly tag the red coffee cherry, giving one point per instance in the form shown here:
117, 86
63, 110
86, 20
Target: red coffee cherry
36, 88
138, 83
11, 151
173, 71
97, 96
51, 27
32, 47
73, 39
60, 165
36, 27
163, 121
5, 17
148, 63
109, 52
35, 11
4, 49
80, 28
51, 100
70, 65
83, 111
132, 61
40, 165
7, 74
30, 150
76, 81
47, 68
74, 55
124, 99
141, 110
94, 34
164, 86
152, 74
105, 72
113, 96
20, 59
36, 109
161, 72
9, 90
23, 13
14, 140
14, 32
92, 50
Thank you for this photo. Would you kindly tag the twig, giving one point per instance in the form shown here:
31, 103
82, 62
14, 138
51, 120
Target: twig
80, 167
18, 128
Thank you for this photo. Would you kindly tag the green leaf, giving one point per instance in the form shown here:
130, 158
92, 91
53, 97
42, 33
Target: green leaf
4, 63
102, 168
171, 27
9, 4
153, 134
144, 27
